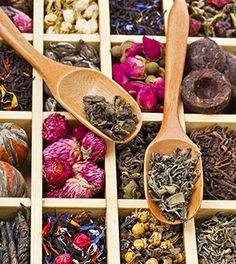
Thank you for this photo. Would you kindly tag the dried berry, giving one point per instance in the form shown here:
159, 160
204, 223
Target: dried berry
206, 91
205, 53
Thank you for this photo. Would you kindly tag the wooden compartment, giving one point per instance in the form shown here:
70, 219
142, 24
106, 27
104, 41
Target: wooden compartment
110, 205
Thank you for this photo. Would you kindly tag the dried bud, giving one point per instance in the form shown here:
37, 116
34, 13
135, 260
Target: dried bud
219, 3
118, 74
133, 68
138, 229
81, 5
129, 256
159, 87
68, 16
65, 27
116, 51
152, 68
50, 19
82, 26
131, 49
93, 25
146, 98
91, 11
133, 88
81, 241
194, 27
152, 48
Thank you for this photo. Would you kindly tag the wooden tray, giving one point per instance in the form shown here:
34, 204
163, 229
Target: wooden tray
110, 206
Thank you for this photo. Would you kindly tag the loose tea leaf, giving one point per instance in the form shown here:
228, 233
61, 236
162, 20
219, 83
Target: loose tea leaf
216, 239
115, 120
143, 239
130, 162
171, 181
218, 147
136, 17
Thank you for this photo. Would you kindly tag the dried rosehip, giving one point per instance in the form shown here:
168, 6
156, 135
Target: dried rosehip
205, 53
221, 27
206, 91
230, 70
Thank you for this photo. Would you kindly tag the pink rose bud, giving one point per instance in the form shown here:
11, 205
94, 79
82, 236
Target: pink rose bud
194, 26
152, 48
219, 3
133, 68
146, 98
81, 241
63, 259
133, 88
23, 22
119, 75
159, 87
135, 49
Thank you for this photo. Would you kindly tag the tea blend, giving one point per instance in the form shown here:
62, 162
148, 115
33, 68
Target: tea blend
63, 17
15, 238
139, 69
84, 55
218, 147
212, 18
216, 239
70, 154
209, 84
78, 238
130, 162
145, 240
15, 81
171, 182
116, 120
136, 17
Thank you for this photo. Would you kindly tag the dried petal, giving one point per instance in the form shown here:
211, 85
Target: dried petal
133, 68
219, 3
81, 241
194, 26
133, 88
159, 87
119, 75
132, 51
146, 98
152, 48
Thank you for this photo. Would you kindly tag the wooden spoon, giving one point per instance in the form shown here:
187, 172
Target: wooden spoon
69, 84
171, 134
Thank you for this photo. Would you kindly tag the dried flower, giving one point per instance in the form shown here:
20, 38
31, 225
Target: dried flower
50, 19
55, 126
81, 5
93, 147
93, 24
91, 173
82, 26
153, 261
81, 241
194, 27
79, 132
221, 28
68, 16
56, 171
132, 50
118, 74
219, 3
159, 87
133, 88
138, 229
64, 149
129, 256
146, 98
134, 68
91, 11
65, 27
54, 193
152, 48
63, 259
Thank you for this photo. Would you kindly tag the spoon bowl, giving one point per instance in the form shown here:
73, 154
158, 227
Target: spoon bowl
69, 84
171, 134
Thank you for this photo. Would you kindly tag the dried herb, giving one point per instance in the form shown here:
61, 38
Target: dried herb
80, 236
218, 147
146, 240
171, 181
130, 162
15, 81
212, 18
216, 239
84, 55
116, 120
136, 17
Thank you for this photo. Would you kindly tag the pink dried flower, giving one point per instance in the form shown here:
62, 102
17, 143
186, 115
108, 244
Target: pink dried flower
134, 68
79, 132
93, 147
118, 74
159, 87
160, 109
146, 98
56, 171
219, 3
64, 149
90, 172
221, 27
55, 126
152, 48
81, 241
132, 51
133, 88
194, 26
23, 22
63, 259
54, 193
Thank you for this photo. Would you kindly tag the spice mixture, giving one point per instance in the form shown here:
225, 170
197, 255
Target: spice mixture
145, 240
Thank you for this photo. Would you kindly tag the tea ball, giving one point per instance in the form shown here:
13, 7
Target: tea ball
12, 183
14, 146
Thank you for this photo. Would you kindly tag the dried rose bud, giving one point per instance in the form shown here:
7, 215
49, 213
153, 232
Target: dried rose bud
133, 88
93, 147
194, 26
56, 172
146, 98
63, 259
221, 27
159, 87
91, 173
55, 126
119, 75
152, 48
79, 132
134, 68
81, 241
219, 3
65, 149
132, 51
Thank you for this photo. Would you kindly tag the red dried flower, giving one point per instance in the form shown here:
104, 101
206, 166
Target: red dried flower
63, 259
79, 132
194, 27
133, 68
219, 3
152, 48
133, 88
81, 241
146, 98
55, 127
118, 74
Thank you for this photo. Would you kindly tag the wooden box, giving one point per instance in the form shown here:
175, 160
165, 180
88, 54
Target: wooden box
111, 206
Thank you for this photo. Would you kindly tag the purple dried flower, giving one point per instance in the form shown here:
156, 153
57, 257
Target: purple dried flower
221, 27
79, 132
159, 87
194, 26
90, 172
134, 68
64, 149
93, 147
152, 48
133, 88
55, 126
146, 98
119, 75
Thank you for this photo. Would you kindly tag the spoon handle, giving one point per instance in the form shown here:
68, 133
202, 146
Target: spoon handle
177, 36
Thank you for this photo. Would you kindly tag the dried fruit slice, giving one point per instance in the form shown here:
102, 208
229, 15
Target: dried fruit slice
206, 91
